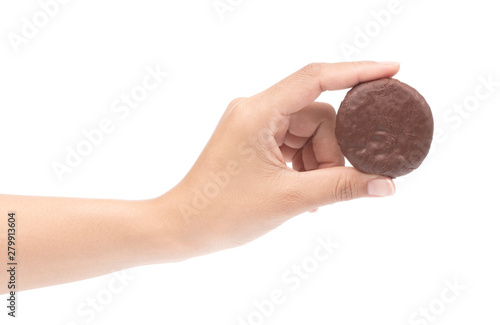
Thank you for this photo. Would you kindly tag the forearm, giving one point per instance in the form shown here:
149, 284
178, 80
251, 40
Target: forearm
60, 240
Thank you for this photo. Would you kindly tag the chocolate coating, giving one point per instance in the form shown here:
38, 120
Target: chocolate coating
384, 127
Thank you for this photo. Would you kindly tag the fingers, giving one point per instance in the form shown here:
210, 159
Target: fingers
331, 185
293, 141
318, 120
311, 132
308, 157
304, 86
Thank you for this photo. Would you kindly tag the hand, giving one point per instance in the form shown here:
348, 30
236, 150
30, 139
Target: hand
238, 189
241, 187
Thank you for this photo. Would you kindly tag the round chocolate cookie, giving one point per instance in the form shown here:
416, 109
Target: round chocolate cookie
384, 127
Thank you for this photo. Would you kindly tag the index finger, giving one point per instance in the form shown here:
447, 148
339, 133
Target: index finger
304, 86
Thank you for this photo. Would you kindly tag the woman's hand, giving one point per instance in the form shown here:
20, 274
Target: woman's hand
241, 187
238, 189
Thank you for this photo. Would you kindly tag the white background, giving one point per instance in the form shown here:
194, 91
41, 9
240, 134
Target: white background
396, 253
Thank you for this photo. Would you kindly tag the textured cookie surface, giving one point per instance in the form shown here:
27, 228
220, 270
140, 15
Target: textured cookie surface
384, 127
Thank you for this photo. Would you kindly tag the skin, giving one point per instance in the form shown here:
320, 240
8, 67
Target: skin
239, 189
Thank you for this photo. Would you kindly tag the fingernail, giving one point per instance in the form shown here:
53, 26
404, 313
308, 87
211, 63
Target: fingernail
389, 63
381, 187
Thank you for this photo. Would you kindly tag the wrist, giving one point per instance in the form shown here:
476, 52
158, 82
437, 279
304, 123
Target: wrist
164, 230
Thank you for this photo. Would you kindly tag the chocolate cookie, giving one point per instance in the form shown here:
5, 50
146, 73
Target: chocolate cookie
384, 127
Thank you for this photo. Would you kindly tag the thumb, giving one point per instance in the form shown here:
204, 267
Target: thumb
336, 184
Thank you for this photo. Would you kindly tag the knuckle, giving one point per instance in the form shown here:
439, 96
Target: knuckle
235, 102
311, 73
328, 107
326, 110
344, 189
311, 70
